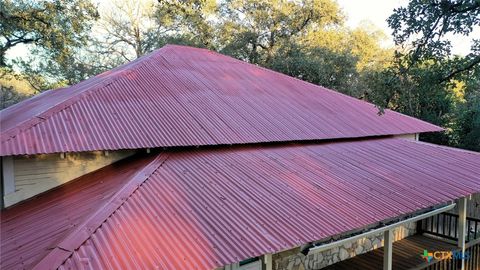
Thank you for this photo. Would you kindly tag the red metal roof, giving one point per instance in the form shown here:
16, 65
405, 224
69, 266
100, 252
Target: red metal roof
206, 208
30, 230
183, 96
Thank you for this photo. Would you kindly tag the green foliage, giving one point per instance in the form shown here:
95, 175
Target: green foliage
53, 25
465, 127
423, 80
13, 88
319, 65
253, 30
189, 22
9, 96
363, 42
412, 93
428, 21
56, 29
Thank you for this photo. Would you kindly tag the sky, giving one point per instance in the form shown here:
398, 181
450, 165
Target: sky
374, 11
377, 12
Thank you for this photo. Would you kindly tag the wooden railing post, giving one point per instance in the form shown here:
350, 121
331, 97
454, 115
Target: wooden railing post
420, 226
387, 249
462, 218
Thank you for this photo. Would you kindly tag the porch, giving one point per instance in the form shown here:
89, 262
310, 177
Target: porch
407, 256
436, 233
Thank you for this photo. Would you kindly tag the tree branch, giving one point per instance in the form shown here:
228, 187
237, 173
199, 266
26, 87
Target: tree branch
472, 64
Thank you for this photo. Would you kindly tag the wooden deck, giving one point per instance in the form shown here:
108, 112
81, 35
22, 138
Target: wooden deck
406, 255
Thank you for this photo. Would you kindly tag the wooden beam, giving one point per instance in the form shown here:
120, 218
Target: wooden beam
462, 230
387, 249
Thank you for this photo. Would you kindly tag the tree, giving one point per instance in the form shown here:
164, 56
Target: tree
428, 22
45, 71
466, 127
424, 77
55, 26
319, 65
355, 53
412, 93
53, 31
193, 22
363, 42
253, 30
127, 28
13, 88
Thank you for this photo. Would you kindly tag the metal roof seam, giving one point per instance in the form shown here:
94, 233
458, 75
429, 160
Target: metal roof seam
84, 231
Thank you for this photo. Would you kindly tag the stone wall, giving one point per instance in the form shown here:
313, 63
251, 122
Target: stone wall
294, 260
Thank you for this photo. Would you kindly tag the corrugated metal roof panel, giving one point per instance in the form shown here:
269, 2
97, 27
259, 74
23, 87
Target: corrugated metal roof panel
208, 208
182, 96
30, 230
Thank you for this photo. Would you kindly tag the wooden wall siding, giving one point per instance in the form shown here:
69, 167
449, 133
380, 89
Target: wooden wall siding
36, 174
413, 136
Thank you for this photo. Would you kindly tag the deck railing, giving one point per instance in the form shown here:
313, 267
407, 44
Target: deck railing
445, 225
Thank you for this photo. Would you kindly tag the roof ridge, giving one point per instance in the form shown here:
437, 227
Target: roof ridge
87, 228
68, 102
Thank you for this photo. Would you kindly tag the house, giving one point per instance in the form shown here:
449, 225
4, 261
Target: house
188, 159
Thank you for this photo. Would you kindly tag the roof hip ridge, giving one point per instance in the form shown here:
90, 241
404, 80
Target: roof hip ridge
65, 248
